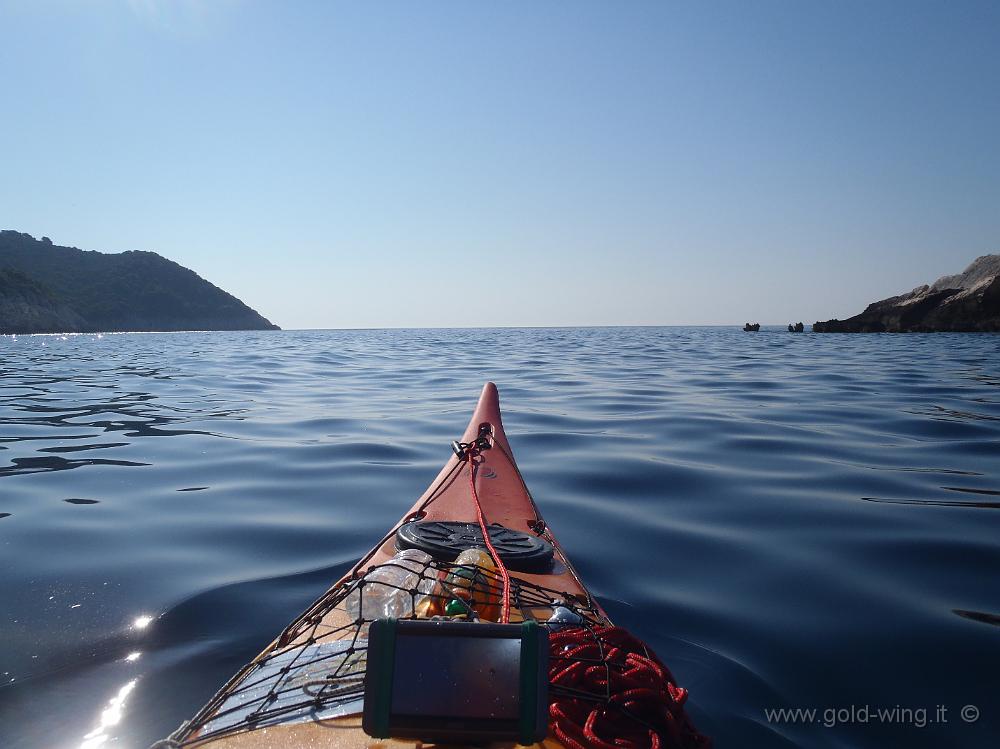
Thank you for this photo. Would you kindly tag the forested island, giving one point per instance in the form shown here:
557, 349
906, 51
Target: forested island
965, 302
47, 288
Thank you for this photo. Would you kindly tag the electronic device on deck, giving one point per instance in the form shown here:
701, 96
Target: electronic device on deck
450, 681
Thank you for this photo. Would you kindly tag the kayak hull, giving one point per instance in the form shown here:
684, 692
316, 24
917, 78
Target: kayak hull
504, 498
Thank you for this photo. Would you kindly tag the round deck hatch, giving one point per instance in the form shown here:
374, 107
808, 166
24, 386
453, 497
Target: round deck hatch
445, 540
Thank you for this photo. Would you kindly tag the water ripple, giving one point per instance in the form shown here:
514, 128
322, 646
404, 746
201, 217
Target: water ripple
790, 520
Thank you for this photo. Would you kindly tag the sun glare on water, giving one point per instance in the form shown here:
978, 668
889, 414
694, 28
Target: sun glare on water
110, 717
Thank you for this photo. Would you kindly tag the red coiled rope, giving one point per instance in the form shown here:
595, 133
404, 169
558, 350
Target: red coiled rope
612, 692
628, 698
470, 456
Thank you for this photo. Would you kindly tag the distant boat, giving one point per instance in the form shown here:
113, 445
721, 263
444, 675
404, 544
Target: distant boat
796, 328
748, 328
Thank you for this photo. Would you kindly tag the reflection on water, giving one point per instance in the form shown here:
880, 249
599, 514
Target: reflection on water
790, 520
111, 716
938, 502
40, 465
980, 616
141, 622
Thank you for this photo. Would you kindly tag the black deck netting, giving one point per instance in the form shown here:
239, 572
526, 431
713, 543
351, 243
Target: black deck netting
606, 688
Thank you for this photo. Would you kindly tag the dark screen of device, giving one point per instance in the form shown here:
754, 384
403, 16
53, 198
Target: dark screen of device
460, 677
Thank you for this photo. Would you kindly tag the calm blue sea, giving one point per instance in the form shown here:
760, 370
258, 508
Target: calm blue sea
791, 521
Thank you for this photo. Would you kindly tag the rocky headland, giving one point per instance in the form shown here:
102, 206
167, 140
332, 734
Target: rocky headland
47, 288
965, 302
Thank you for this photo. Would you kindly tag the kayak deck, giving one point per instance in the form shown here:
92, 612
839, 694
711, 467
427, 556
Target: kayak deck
306, 687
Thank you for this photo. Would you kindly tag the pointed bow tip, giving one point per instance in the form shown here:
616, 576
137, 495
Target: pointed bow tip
487, 410
490, 397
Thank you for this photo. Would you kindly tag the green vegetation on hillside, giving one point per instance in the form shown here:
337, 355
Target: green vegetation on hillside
93, 291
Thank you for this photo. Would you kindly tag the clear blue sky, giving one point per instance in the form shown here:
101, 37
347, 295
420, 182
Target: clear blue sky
539, 163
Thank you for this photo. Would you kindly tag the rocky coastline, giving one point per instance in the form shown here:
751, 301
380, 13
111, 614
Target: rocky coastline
48, 288
965, 302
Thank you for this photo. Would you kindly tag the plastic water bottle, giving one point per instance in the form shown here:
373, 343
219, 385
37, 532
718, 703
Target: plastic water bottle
388, 591
563, 617
473, 587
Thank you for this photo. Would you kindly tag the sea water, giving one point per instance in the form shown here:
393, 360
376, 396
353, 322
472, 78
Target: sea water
806, 528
